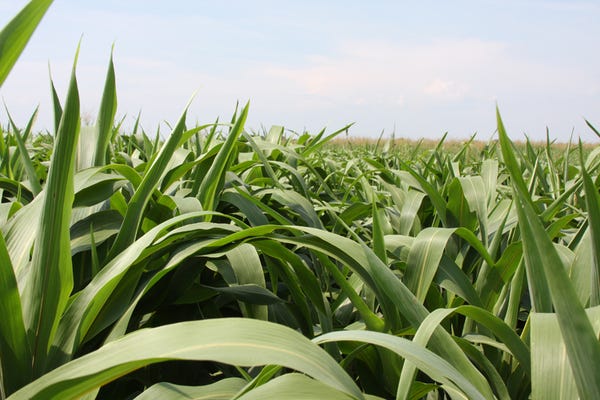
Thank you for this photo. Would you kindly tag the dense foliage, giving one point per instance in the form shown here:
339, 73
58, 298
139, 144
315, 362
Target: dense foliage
220, 264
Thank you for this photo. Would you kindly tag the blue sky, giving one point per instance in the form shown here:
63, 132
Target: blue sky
418, 69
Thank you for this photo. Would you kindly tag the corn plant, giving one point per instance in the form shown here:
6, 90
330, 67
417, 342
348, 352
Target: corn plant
218, 263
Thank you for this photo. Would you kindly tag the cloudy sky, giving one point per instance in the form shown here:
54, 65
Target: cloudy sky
418, 69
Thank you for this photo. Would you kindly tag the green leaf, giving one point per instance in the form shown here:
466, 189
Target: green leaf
213, 180
494, 324
20, 232
151, 179
424, 259
476, 195
93, 186
489, 174
15, 355
393, 295
430, 363
50, 281
592, 202
378, 240
225, 389
106, 115
241, 342
86, 147
581, 269
538, 284
104, 224
57, 108
582, 344
16, 189
552, 376
412, 202
90, 308
450, 277
246, 264
16, 34
29, 169
318, 141
434, 195
249, 293
298, 203
301, 272
292, 387
546, 270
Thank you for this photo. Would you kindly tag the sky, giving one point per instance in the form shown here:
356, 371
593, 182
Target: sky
412, 69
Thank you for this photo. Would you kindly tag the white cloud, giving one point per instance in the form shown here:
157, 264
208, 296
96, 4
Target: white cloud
445, 89
457, 66
375, 82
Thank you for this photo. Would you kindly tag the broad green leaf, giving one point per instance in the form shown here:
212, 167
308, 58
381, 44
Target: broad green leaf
592, 201
275, 134
510, 159
424, 259
265, 161
179, 255
458, 208
581, 270
249, 209
151, 179
433, 194
293, 387
412, 202
83, 310
476, 195
450, 277
487, 367
310, 284
298, 204
213, 181
20, 232
242, 342
552, 376
93, 186
16, 34
89, 309
15, 354
536, 277
20, 192
246, 264
50, 281
104, 224
433, 365
489, 174
86, 150
106, 115
505, 333
549, 281
394, 297
582, 346
372, 320
225, 389
378, 241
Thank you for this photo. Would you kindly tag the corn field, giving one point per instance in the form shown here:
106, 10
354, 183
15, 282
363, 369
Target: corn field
217, 263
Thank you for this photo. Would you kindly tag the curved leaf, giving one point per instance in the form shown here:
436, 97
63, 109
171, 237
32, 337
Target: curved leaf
242, 342
16, 34
225, 389
428, 362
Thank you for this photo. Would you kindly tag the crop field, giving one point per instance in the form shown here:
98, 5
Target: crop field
219, 263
